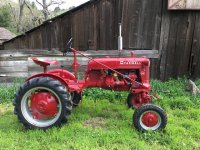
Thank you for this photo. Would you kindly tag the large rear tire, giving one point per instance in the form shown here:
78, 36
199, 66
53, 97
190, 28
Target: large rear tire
149, 117
50, 95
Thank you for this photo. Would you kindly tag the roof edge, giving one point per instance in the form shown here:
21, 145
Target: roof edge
52, 19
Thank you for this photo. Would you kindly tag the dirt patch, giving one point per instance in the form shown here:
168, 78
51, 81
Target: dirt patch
4, 108
110, 110
95, 122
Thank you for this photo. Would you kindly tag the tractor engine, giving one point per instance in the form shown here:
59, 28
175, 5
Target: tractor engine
119, 74
114, 80
110, 80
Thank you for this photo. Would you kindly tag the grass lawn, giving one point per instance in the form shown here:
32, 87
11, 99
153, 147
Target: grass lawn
103, 121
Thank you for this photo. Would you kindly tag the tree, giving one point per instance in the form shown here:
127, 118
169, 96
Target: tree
45, 6
5, 16
57, 11
21, 12
26, 16
33, 5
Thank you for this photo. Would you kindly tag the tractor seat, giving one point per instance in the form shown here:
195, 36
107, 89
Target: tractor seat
44, 63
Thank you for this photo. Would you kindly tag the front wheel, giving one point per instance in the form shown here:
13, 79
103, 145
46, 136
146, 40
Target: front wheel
42, 103
149, 117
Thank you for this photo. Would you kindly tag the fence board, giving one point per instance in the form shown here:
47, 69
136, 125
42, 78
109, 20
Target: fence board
20, 64
15, 68
12, 63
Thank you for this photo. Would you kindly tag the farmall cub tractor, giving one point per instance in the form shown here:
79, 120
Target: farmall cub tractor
46, 99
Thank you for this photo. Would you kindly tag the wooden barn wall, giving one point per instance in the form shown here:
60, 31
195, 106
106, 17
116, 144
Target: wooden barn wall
141, 22
179, 43
147, 24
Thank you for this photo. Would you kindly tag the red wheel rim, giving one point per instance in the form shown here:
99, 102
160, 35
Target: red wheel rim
150, 120
31, 99
43, 105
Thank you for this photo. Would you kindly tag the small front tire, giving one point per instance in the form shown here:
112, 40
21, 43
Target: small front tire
149, 117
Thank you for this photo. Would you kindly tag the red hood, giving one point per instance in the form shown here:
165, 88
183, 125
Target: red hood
118, 63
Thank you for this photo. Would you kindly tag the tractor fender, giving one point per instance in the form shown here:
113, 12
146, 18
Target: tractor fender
64, 73
61, 75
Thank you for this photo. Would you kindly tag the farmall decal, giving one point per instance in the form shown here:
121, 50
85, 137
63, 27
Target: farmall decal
129, 63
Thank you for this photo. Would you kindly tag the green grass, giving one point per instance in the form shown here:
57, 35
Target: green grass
103, 121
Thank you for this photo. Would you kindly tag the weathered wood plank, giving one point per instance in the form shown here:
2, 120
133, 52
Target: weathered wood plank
164, 35
195, 54
180, 42
17, 65
186, 50
13, 63
15, 74
101, 53
29, 51
154, 68
192, 4
10, 80
7, 70
171, 44
92, 53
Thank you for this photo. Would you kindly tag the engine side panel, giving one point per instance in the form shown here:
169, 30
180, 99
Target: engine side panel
110, 80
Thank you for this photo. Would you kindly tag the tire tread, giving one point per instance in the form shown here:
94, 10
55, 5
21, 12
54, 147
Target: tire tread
138, 112
52, 84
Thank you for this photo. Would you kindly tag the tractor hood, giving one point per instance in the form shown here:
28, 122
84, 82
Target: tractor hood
118, 63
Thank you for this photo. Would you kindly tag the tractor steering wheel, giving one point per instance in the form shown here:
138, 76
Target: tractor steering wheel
68, 47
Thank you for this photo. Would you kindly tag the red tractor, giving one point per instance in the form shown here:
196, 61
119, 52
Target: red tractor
46, 99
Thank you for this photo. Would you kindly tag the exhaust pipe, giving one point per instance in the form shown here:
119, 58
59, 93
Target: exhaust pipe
120, 40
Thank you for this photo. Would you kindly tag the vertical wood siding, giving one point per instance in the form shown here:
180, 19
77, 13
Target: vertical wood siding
147, 24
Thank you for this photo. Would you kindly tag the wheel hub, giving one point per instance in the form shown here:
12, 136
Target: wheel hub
150, 119
43, 105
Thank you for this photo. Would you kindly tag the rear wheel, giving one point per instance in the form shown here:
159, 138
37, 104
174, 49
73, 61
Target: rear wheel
42, 103
149, 117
